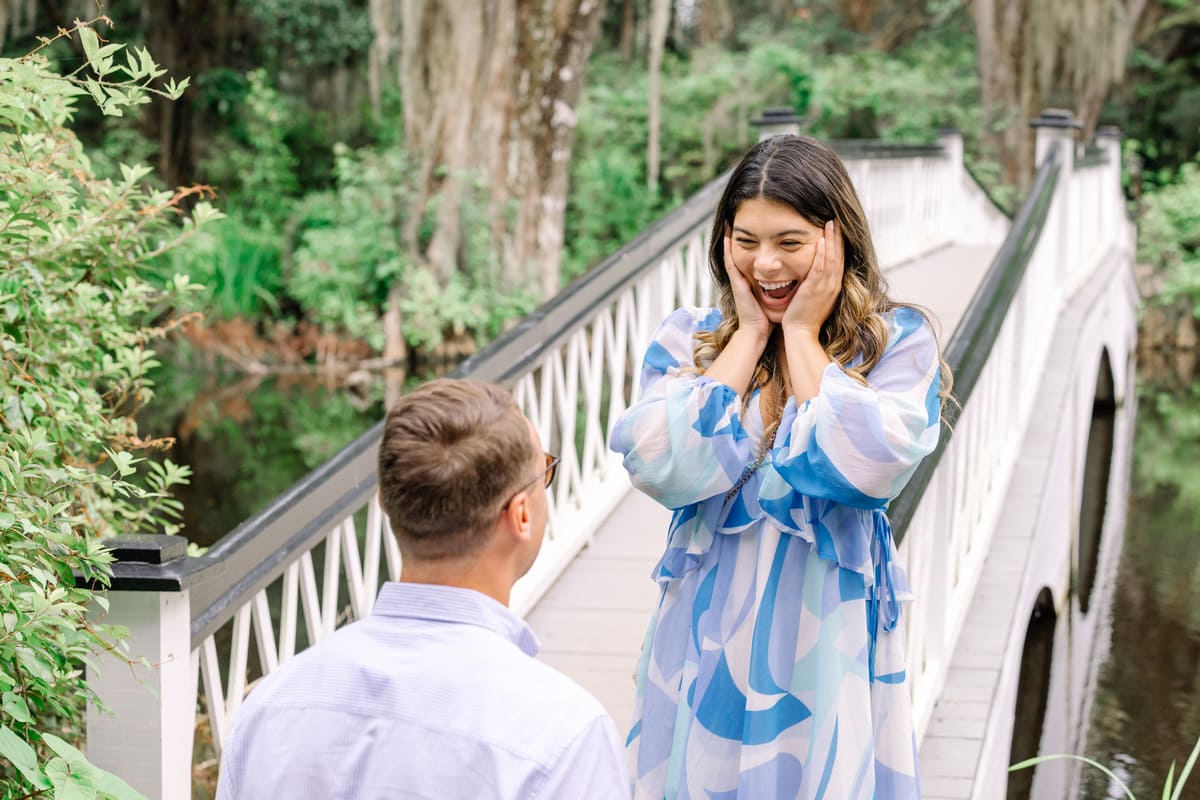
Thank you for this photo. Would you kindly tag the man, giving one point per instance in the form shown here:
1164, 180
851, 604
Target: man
436, 694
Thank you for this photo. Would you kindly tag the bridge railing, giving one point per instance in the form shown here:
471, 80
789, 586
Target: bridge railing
946, 516
315, 557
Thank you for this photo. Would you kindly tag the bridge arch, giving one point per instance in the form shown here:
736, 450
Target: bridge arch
1097, 469
1033, 692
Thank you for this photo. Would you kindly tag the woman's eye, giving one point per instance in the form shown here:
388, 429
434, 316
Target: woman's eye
746, 243
790, 243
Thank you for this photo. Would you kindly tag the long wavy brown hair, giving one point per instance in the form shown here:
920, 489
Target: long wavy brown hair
805, 174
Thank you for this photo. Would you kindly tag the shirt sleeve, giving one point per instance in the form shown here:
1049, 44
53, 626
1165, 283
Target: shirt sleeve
683, 439
857, 444
593, 766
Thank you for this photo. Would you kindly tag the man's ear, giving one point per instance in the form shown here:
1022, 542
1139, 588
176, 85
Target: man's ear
517, 518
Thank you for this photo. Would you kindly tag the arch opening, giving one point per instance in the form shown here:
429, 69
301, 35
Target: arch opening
1096, 471
1033, 694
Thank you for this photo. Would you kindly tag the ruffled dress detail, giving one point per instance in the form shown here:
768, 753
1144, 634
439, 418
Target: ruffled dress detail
773, 666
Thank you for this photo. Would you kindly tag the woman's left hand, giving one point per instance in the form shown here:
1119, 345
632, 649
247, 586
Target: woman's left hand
814, 298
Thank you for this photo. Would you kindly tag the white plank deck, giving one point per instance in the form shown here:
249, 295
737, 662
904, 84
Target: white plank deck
592, 621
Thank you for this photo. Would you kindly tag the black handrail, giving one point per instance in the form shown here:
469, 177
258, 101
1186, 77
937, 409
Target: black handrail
255, 553
972, 341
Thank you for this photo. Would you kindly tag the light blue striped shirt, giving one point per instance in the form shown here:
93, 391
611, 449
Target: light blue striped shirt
435, 695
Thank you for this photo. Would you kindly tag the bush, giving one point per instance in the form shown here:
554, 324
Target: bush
75, 316
350, 250
1169, 237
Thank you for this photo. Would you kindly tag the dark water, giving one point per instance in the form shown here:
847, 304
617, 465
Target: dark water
246, 438
1146, 712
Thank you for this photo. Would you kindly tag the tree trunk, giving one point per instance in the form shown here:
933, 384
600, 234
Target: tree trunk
1029, 51
385, 20
489, 92
858, 14
714, 21
660, 14
18, 18
628, 30
1006, 87
183, 47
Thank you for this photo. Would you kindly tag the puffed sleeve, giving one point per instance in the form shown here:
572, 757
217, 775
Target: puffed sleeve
857, 444
683, 439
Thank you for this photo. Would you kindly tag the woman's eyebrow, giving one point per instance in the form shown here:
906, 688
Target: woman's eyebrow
795, 232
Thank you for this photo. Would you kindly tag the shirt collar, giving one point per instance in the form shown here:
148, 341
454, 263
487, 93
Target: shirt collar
452, 604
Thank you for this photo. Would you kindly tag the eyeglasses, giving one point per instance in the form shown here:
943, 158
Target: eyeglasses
549, 472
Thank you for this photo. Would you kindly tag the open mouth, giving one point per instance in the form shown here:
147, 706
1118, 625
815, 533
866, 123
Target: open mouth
779, 290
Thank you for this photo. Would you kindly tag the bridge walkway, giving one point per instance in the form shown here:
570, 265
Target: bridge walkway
592, 621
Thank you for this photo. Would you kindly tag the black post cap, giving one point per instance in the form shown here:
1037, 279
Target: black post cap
1055, 118
146, 548
777, 116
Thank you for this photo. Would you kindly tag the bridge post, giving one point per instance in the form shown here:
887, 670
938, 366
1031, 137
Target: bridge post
1057, 126
1108, 139
142, 732
954, 212
776, 121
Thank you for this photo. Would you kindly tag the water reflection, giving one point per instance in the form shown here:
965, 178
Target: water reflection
1147, 706
248, 438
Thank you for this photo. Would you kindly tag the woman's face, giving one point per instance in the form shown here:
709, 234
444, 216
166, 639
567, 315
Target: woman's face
773, 246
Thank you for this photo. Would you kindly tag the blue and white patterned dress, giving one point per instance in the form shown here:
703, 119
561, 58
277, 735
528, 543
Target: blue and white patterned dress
774, 664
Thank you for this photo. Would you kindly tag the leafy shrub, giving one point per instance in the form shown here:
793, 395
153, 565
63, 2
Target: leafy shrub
74, 335
234, 265
350, 250
1169, 236
251, 162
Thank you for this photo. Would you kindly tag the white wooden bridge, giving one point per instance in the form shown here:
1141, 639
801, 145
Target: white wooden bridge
1009, 532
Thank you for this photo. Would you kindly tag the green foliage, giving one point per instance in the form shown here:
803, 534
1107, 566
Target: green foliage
709, 97
74, 312
238, 261
253, 162
311, 33
1169, 236
910, 94
1158, 106
234, 265
350, 250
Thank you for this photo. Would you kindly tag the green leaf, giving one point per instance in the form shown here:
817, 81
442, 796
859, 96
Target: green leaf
32, 219
94, 89
1187, 771
112, 786
147, 62
15, 706
91, 44
68, 783
22, 756
64, 749
1033, 762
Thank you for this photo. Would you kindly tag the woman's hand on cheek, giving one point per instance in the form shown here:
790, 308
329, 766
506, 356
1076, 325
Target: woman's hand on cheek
817, 293
750, 314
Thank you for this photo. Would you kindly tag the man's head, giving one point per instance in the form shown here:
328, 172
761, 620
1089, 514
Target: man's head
458, 459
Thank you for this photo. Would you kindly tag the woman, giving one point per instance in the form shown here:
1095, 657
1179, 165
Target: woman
778, 427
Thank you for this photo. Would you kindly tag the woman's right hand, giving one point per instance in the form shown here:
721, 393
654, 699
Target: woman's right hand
751, 317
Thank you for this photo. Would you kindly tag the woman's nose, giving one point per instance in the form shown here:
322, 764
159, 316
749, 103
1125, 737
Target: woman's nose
766, 258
